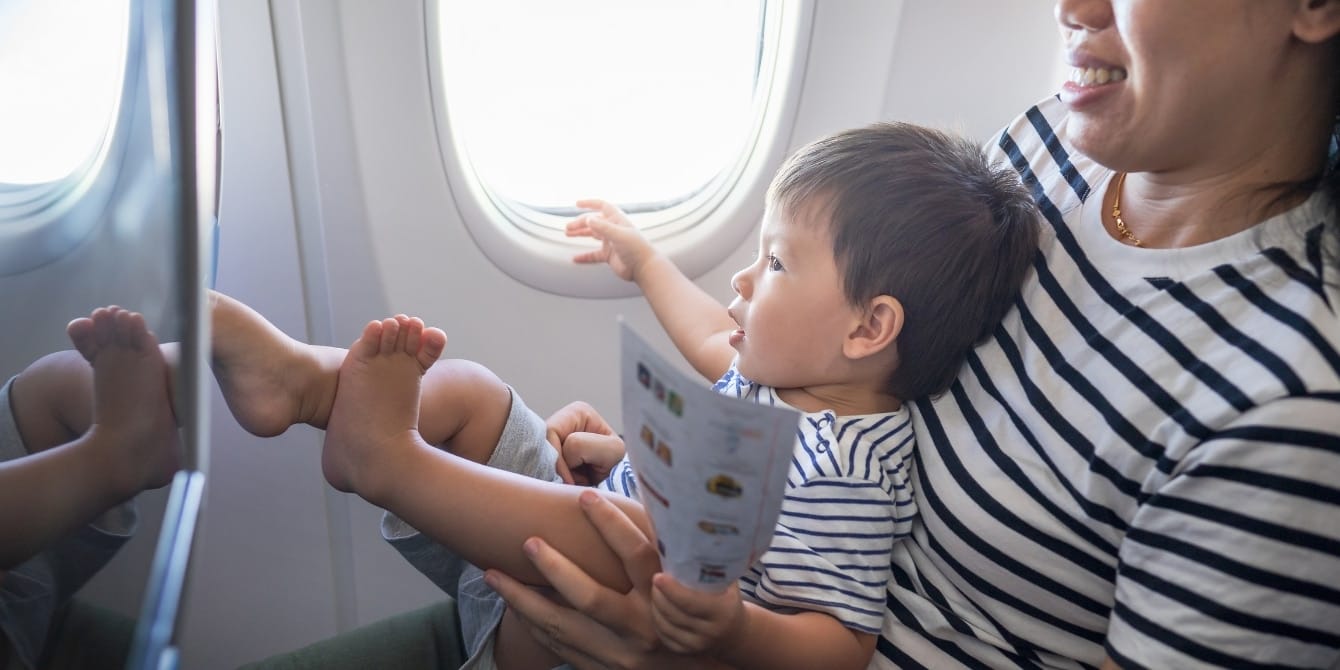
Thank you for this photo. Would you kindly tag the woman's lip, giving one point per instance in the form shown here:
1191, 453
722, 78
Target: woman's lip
1082, 58
1087, 62
1079, 97
1082, 88
736, 337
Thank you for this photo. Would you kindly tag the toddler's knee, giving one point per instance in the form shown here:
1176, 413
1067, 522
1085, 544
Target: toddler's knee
465, 406
467, 378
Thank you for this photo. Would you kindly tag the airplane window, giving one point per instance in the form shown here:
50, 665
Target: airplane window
636, 102
65, 60
669, 109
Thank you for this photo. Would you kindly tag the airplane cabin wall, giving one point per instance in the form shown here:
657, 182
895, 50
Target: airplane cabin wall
335, 209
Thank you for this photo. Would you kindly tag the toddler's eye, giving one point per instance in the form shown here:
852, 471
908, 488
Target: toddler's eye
774, 264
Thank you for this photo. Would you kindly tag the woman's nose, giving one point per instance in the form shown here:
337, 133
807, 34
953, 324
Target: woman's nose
1085, 15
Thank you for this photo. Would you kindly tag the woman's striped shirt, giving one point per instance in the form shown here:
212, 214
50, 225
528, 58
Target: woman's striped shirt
1143, 462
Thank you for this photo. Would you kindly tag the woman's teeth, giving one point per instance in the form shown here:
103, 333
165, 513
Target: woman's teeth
1096, 76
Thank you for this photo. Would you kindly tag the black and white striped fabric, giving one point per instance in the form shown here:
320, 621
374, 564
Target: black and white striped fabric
1144, 460
847, 501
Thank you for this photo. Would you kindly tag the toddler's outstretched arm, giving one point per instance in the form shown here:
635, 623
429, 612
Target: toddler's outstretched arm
697, 323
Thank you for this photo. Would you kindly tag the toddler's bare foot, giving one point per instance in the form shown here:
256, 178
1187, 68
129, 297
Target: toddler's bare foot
270, 380
377, 405
132, 414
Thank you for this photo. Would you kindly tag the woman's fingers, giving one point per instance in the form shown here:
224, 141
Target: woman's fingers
575, 586
553, 625
633, 547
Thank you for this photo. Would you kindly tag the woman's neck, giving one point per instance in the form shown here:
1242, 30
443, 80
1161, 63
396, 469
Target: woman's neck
1167, 213
1230, 189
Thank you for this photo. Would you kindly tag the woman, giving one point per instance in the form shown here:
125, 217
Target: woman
1138, 469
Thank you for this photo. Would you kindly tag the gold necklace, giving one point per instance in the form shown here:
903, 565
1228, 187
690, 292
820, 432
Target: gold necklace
1116, 214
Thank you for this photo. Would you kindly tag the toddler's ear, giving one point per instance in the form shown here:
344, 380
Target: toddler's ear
877, 330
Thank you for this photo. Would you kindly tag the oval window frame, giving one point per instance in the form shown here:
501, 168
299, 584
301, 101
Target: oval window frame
40, 223
697, 232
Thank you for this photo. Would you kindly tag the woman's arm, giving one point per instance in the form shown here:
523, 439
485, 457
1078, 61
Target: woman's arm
604, 627
1236, 556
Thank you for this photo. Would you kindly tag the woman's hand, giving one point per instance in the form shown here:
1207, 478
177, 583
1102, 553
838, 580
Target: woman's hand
603, 628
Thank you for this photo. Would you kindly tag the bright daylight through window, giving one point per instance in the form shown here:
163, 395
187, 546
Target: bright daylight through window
61, 70
641, 103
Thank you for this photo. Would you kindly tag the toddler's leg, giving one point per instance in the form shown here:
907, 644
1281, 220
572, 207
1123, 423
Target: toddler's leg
483, 514
378, 403
132, 411
52, 400
463, 407
270, 380
131, 443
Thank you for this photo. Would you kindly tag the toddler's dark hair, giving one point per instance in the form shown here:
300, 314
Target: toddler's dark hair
920, 215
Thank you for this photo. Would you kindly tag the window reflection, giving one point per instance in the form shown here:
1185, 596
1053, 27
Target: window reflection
62, 64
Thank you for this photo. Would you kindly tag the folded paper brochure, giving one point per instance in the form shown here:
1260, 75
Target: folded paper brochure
711, 469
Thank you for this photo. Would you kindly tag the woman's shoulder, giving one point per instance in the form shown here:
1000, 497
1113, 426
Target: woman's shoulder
1036, 145
1298, 265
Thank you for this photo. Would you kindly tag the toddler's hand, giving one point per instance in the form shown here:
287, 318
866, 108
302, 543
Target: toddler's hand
575, 417
621, 244
590, 456
689, 621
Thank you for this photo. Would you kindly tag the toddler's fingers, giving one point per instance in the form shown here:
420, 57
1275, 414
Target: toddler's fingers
608, 210
673, 636
576, 416
578, 227
593, 449
672, 610
693, 603
596, 256
564, 472
598, 204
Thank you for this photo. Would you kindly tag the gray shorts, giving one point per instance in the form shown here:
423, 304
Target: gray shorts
521, 449
31, 593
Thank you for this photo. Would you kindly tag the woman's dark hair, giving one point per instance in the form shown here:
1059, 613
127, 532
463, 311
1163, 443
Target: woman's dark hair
1331, 173
1328, 178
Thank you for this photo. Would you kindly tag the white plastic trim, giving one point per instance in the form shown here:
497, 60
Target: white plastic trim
697, 235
